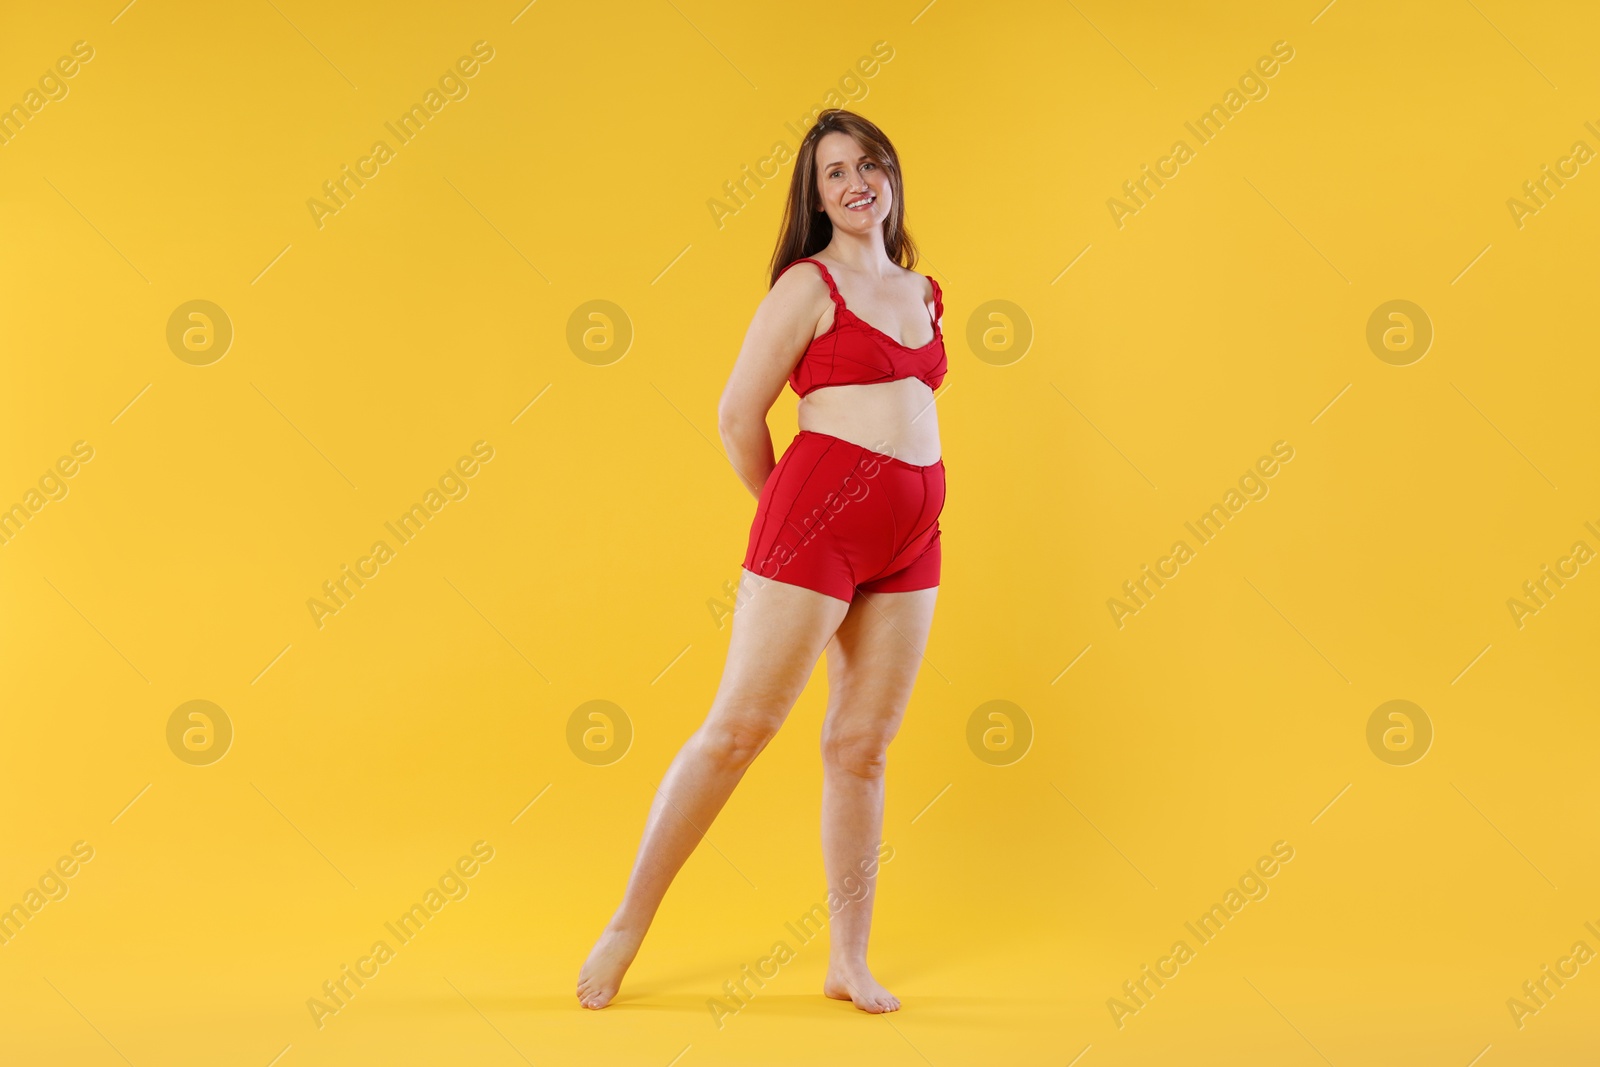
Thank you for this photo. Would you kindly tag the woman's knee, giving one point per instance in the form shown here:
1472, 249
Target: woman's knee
733, 741
863, 753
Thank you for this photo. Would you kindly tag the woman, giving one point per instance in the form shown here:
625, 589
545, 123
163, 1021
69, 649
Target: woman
844, 551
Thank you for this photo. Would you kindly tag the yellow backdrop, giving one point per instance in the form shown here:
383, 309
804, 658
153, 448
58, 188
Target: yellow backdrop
369, 540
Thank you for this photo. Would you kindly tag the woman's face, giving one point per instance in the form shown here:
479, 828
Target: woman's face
855, 191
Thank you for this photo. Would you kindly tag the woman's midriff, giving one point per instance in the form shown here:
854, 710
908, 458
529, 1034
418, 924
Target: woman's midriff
896, 417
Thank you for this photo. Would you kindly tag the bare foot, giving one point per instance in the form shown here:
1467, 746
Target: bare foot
853, 982
608, 961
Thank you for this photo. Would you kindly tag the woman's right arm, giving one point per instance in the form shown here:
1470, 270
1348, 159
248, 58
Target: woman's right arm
779, 333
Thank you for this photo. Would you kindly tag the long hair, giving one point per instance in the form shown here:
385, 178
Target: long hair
806, 227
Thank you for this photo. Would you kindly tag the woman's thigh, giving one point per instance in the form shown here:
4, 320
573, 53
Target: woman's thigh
779, 632
874, 661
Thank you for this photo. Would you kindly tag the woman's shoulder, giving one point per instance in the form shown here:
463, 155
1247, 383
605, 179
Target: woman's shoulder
802, 277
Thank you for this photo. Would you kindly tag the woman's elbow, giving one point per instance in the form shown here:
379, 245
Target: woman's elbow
732, 418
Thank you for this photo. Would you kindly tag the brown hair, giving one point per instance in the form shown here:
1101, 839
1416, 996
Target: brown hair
806, 227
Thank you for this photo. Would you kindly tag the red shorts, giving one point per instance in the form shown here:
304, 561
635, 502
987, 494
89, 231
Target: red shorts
836, 517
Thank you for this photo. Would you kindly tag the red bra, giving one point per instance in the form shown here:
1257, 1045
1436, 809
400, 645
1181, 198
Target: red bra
854, 352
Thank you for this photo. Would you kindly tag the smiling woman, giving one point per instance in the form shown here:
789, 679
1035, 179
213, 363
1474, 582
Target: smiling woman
844, 549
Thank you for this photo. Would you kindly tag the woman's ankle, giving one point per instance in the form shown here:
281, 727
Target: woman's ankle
627, 925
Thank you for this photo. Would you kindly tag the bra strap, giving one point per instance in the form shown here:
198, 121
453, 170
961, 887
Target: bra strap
833, 290
938, 301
